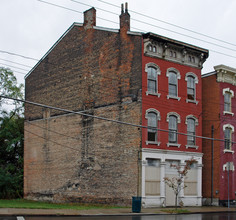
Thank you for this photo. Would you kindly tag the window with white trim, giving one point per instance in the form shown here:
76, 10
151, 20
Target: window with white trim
173, 84
152, 116
228, 131
228, 94
152, 78
173, 119
192, 80
191, 130
191, 122
173, 77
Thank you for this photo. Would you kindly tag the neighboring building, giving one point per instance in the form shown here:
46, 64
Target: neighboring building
141, 79
219, 88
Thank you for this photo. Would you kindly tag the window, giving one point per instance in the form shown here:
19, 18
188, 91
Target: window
173, 76
228, 137
192, 80
172, 129
152, 80
191, 87
152, 71
152, 116
191, 131
172, 84
191, 123
227, 102
228, 130
228, 94
152, 127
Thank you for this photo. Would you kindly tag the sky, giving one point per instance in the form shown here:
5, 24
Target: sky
30, 27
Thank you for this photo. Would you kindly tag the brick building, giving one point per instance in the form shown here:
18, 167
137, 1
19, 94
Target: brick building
219, 122
137, 78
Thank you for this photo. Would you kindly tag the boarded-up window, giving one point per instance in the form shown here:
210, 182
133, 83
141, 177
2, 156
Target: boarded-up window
152, 178
190, 182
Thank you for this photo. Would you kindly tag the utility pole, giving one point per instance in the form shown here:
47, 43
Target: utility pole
212, 162
228, 167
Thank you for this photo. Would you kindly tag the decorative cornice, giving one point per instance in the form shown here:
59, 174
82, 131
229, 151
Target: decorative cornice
225, 74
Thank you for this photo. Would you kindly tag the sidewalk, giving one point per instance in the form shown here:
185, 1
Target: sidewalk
118, 211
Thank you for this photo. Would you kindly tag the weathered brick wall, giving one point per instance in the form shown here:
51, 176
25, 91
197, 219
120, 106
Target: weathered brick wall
71, 157
211, 116
86, 68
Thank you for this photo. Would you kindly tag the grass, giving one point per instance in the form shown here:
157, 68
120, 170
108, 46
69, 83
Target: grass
175, 211
28, 204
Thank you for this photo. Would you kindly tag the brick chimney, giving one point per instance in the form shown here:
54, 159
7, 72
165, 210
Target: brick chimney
90, 18
124, 18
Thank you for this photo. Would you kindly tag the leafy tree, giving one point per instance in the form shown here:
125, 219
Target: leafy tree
10, 88
176, 183
11, 138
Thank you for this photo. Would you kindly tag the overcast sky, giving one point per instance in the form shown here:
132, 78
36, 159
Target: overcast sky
30, 27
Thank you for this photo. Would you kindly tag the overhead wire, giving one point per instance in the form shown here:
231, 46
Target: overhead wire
104, 118
165, 22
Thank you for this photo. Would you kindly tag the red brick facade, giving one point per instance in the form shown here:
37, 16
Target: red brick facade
215, 114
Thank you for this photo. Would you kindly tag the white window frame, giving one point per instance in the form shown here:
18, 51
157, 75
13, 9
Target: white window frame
150, 110
196, 82
231, 92
196, 124
231, 127
171, 69
158, 73
178, 122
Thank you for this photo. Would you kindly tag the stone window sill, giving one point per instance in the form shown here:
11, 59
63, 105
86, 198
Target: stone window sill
173, 97
228, 151
228, 113
153, 93
191, 101
191, 146
153, 143
173, 145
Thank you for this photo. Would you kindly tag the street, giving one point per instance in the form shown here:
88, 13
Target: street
203, 216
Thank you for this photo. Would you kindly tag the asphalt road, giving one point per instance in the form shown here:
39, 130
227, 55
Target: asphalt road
203, 216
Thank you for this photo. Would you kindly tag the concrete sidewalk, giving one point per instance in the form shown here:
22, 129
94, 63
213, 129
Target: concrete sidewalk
117, 211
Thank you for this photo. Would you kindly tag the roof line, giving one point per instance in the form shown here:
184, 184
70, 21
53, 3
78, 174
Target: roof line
53, 46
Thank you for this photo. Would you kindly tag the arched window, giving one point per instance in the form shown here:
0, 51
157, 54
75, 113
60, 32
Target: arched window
172, 129
152, 78
173, 77
192, 80
228, 94
173, 85
191, 88
191, 130
152, 116
228, 130
191, 122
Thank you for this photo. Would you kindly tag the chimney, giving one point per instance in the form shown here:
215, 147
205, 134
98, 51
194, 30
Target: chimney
90, 18
124, 18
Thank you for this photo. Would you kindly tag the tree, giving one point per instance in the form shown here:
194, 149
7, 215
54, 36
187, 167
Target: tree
177, 183
10, 88
11, 137
11, 155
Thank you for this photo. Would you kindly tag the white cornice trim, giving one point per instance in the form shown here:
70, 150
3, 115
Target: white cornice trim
172, 152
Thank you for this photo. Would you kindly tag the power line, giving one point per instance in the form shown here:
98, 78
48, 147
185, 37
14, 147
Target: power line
14, 67
174, 25
14, 54
150, 25
105, 119
15, 63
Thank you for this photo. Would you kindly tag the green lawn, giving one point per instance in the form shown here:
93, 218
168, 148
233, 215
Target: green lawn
22, 203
